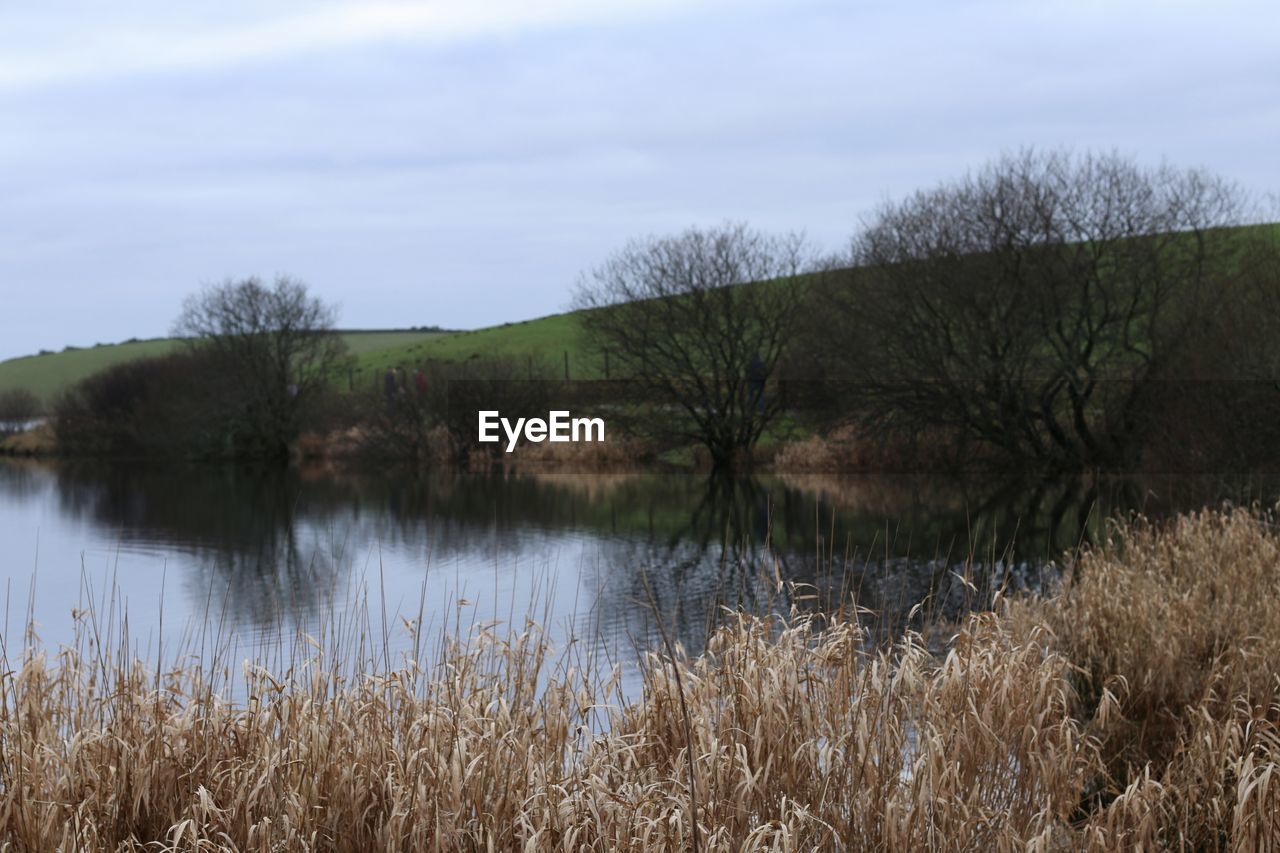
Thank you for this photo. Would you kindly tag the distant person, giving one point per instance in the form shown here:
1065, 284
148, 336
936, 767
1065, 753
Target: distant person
420, 382
391, 387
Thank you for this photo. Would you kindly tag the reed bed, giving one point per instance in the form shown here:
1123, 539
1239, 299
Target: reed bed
1134, 709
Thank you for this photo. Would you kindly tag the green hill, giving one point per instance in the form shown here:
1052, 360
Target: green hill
546, 340
49, 373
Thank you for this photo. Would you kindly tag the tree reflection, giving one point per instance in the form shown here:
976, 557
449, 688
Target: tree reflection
20, 479
264, 544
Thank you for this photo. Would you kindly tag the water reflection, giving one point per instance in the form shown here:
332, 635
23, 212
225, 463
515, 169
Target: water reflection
274, 546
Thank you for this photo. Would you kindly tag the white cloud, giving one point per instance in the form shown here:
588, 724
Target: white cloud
83, 47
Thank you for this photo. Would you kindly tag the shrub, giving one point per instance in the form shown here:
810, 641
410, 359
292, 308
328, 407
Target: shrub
18, 406
167, 405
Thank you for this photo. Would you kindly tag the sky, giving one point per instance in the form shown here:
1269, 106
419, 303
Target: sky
461, 163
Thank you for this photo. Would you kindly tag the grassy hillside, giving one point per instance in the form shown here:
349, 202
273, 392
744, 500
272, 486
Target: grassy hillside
48, 374
546, 339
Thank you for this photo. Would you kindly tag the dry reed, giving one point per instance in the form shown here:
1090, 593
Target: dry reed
613, 454
1135, 709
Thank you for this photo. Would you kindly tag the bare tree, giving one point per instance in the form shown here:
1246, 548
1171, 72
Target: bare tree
1034, 307
277, 349
697, 322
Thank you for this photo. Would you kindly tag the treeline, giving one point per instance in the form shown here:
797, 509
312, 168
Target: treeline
256, 367
259, 372
1069, 312
1049, 311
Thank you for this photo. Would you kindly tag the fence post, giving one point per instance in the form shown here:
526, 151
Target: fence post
566, 365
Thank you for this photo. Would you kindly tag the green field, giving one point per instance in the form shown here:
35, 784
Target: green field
49, 374
545, 339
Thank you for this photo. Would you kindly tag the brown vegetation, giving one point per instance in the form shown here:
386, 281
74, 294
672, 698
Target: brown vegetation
1137, 709
37, 441
845, 447
1174, 638
612, 454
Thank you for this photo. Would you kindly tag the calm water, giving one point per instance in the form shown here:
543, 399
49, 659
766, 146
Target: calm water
261, 553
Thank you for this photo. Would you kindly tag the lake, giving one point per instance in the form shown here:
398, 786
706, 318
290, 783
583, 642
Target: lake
254, 556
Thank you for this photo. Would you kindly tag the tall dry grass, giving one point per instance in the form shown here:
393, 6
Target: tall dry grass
1136, 709
1173, 631
611, 455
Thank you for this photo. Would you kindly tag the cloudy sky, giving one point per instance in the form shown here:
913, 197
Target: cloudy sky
458, 163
